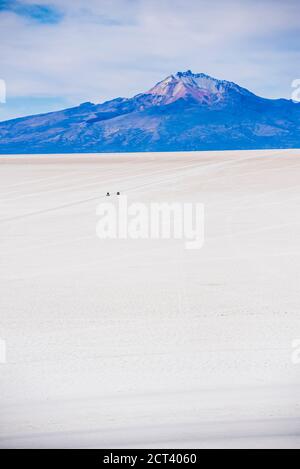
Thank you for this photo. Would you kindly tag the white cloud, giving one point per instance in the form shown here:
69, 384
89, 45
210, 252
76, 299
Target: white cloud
103, 49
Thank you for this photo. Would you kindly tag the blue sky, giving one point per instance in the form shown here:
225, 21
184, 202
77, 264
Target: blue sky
43, 14
58, 53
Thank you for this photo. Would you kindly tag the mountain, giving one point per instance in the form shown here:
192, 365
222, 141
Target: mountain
184, 112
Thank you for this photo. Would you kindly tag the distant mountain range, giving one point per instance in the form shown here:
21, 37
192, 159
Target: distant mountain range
184, 112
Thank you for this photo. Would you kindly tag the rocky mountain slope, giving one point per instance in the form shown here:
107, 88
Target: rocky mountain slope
186, 111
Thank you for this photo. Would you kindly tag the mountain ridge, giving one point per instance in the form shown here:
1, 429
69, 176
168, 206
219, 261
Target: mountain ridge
185, 111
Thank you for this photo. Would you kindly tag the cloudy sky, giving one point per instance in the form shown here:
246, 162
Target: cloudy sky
59, 53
